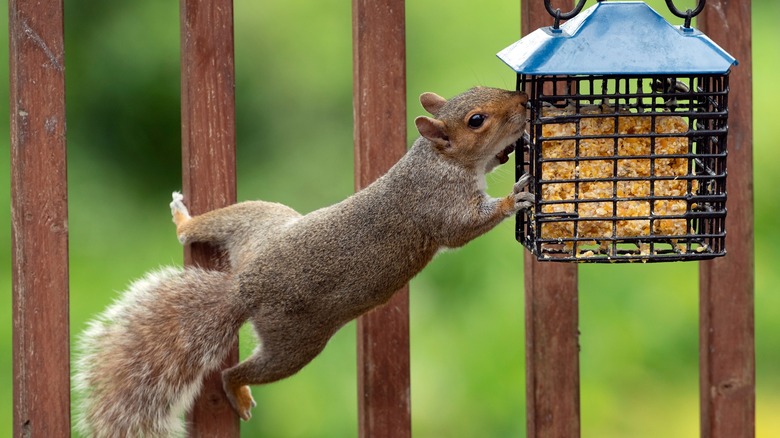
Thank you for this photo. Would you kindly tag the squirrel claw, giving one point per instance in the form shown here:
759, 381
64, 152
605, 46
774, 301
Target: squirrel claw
243, 402
522, 182
179, 210
523, 200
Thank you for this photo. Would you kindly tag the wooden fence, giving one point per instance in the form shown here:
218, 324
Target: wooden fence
40, 230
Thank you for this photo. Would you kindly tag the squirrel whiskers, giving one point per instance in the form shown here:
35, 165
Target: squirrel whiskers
296, 278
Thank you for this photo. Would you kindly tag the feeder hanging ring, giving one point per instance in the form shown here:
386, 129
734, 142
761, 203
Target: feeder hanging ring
558, 15
687, 15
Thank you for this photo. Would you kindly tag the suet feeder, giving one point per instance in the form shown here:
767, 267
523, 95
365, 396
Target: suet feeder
626, 136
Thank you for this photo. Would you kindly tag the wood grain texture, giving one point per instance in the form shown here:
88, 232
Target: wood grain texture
208, 164
551, 312
727, 336
39, 220
379, 56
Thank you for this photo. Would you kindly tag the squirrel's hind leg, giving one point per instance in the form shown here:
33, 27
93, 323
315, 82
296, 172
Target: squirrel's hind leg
282, 353
234, 225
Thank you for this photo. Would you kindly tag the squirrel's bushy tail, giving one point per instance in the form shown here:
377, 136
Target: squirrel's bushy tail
143, 360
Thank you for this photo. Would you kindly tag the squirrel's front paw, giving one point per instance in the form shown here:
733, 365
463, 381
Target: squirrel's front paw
523, 200
522, 182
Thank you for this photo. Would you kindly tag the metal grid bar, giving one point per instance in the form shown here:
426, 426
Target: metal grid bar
625, 168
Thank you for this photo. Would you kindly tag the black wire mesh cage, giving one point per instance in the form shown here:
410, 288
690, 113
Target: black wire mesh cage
626, 137
625, 167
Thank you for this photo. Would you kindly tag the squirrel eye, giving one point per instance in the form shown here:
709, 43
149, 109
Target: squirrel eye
476, 121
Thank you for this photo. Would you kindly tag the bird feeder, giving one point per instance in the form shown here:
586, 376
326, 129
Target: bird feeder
626, 136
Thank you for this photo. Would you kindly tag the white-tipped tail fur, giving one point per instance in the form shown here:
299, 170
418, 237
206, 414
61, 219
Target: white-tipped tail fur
141, 363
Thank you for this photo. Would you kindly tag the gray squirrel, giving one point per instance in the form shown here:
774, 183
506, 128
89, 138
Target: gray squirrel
296, 278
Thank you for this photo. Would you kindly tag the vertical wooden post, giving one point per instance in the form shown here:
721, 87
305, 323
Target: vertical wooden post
379, 56
727, 337
39, 219
208, 163
551, 313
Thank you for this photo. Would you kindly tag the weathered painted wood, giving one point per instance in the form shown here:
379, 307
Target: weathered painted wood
380, 140
551, 313
727, 336
208, 163
39, 220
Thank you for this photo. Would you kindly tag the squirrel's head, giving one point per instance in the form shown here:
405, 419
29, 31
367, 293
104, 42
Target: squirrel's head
478, 128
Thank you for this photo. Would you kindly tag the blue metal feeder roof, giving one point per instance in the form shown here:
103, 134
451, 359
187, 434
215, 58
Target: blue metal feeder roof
617, 38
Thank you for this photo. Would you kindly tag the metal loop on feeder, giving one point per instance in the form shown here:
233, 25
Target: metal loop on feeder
687, 15
558, 15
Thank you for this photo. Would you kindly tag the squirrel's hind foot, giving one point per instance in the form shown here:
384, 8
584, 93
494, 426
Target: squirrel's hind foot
242, 401
179, 212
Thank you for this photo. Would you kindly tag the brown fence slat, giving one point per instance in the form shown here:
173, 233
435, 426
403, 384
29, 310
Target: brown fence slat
380, 140
208, 163
727, 338
39, 220
552, 350
551, 312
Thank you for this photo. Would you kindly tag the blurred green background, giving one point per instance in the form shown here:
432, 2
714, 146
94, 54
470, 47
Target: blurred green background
639, 360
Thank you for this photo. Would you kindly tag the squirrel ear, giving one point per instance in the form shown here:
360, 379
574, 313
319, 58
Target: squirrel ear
433, 130
432, 102
524, 97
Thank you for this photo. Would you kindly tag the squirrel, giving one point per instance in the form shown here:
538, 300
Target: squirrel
296, 278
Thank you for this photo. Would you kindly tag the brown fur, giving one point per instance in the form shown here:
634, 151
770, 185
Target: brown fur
296, 278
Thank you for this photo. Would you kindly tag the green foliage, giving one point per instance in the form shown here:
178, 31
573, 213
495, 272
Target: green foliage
294, 118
